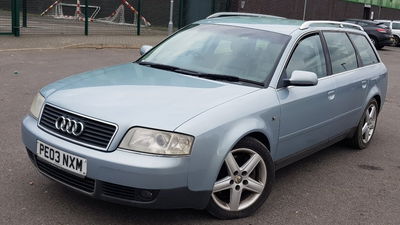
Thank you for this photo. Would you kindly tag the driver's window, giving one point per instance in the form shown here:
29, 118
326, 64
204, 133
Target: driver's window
308, 56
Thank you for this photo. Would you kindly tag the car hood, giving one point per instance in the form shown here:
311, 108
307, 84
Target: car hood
134, 95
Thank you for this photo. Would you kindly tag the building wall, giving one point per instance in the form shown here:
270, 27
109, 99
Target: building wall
316, 9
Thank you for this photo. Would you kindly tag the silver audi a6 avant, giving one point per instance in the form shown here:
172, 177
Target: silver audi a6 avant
204, 119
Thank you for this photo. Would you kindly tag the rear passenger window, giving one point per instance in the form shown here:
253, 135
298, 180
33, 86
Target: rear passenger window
365, 50
341, 51
308, 56
396, 26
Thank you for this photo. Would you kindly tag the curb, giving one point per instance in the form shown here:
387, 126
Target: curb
74, 46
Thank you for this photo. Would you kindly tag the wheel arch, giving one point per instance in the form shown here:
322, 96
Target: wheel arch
373, 36
261, 137
250, 127
374, 93
379, 101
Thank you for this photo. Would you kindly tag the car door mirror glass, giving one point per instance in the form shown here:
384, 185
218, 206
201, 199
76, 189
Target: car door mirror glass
145, 48
302, 78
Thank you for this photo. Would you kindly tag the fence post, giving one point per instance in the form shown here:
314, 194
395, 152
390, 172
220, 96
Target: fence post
15, 17
24, 14
180, 21
213, 6
86, 17
139, 17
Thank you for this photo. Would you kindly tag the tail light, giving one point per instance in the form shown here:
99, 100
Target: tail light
381, 30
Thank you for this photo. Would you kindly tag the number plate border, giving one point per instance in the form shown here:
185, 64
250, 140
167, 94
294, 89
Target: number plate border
73, 172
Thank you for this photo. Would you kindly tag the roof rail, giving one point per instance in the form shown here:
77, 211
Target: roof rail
226, 14
307, 24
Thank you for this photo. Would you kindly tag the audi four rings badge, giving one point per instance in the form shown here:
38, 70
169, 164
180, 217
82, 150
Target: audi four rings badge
70, 126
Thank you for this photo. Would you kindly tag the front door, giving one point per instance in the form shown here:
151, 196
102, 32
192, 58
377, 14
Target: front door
306, 112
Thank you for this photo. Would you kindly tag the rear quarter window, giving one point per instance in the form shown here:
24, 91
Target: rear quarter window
364, 49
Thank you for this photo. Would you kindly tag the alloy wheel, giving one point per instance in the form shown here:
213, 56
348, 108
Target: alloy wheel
368, 128
241, 180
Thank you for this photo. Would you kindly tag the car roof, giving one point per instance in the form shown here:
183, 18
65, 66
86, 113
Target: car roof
276, 24
271, 23
365, 21
396, 21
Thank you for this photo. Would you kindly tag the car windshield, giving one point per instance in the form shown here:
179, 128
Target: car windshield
229, 51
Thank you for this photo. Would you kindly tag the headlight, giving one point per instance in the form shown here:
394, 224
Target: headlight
157, 142
37, 105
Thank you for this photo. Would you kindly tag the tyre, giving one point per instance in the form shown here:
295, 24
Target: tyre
244, 181
366, 127
396, 41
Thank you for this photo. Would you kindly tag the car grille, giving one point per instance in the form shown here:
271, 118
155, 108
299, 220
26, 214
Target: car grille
96, 134
128, 193
84, 184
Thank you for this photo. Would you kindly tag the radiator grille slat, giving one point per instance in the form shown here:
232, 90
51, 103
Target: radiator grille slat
96, 133
84, 184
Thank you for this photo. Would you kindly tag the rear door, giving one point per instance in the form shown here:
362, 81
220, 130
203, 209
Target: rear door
351, 80
306, 112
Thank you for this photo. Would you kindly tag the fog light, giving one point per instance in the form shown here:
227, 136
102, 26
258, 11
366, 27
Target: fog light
147, 195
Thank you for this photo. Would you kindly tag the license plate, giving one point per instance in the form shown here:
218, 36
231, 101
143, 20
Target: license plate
62, 159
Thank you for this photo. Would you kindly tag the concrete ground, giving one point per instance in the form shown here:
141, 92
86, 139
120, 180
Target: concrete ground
335, 186
42, 42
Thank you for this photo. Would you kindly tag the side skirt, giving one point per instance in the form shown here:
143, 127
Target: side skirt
279, 164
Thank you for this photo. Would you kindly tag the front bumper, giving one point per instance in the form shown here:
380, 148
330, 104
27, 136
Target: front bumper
120, 176
386, 40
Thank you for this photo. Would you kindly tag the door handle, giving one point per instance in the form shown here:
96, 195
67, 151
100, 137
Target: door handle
331, 95
364, 84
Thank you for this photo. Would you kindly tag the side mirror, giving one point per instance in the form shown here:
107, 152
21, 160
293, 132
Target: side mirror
301, 78
145, 48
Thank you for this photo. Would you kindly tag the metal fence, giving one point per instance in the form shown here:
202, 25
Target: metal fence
7, 17
108, 17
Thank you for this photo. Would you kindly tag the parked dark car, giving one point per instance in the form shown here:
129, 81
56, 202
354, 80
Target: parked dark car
379, 33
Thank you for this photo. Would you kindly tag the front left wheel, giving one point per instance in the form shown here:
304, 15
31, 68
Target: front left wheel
244, 181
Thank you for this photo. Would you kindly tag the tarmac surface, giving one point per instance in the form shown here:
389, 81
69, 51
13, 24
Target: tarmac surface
56, 42
335, 186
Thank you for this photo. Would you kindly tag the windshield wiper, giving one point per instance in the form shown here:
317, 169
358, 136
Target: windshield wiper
209, 76
170, 68
228, 78
158, 66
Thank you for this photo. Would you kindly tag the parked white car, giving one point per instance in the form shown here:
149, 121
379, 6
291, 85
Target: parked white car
394, 26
